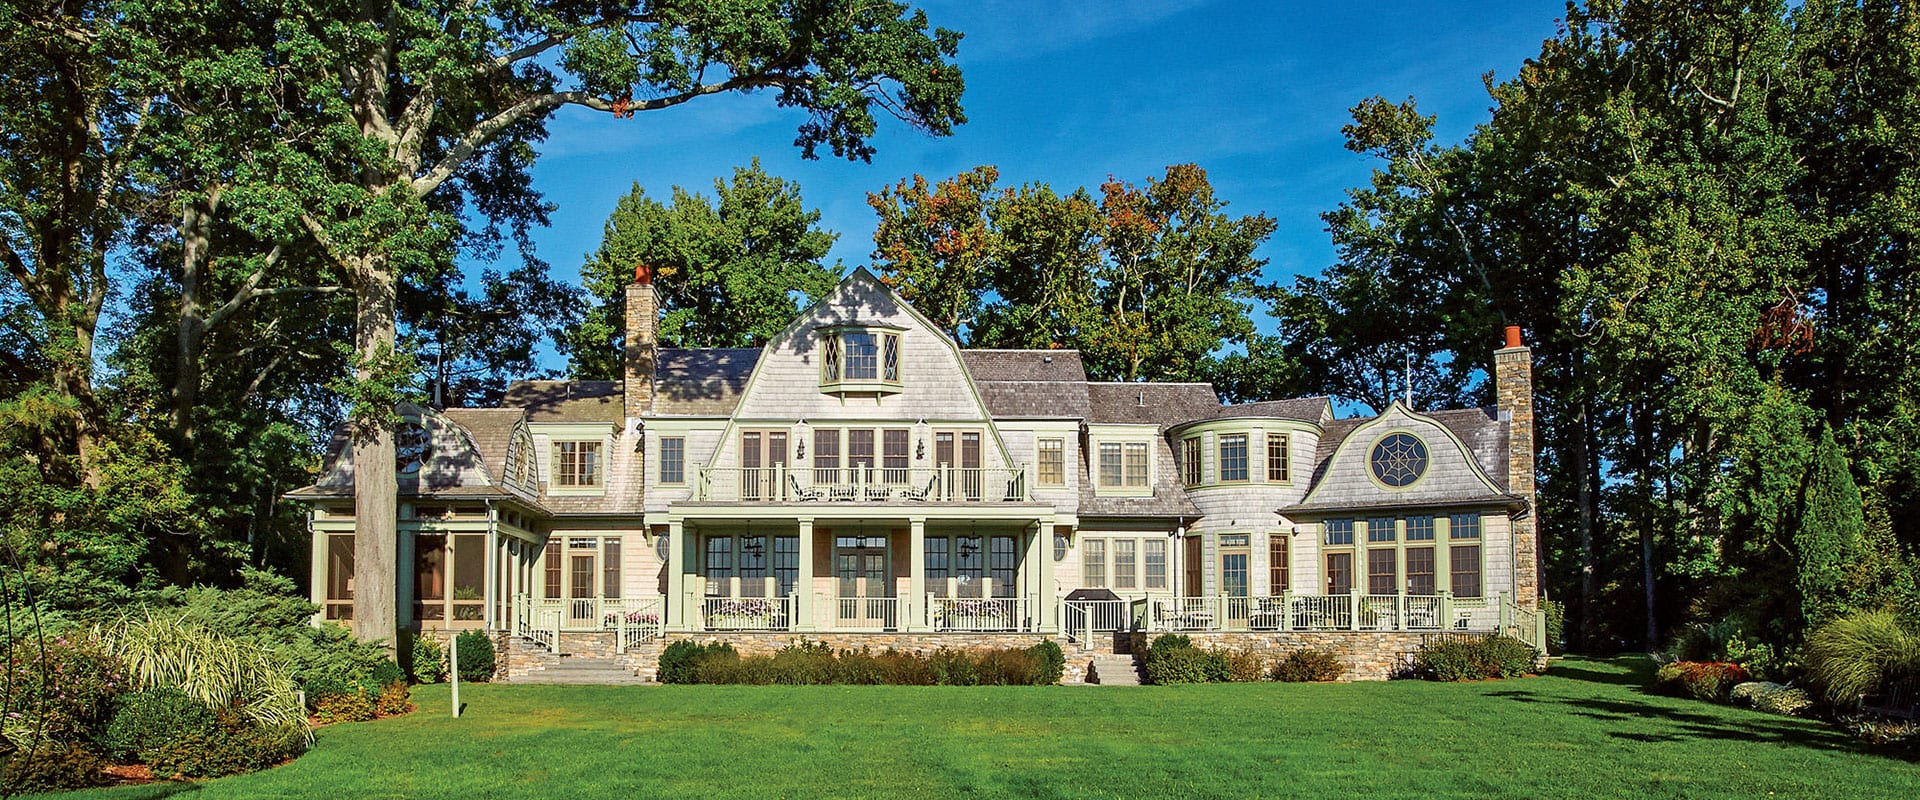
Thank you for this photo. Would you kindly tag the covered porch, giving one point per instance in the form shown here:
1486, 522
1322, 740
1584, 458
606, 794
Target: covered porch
860, 570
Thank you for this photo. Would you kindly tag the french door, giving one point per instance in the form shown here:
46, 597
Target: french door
763, 458
960, 450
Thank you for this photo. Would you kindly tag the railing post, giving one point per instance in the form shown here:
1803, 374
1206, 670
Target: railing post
1506, 614
1286, 609
1445, 613
1400, 609
1358, 607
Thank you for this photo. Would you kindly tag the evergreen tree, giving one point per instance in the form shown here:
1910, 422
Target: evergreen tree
1828, 544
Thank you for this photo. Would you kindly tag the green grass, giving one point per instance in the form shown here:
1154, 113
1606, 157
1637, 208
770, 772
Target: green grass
1586, 730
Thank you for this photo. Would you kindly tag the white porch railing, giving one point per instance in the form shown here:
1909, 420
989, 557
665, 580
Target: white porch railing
1081, 620
1333, 612
864, 484
868, 613
985, 614
633, 619
746, 613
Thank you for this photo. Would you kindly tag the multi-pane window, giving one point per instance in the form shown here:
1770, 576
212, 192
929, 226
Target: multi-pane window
1463, 526
1112, 464
1093, 561
786, 563
1155, 574
1053, 462
673, 460
937, 564
1339, 532
576, 463
1136, 464
719, 564
1277, 467
1278, 576
340, 576
1420, 570
1125, 551
862, 354
1420, 529
1382, 571
1190, 461
609, 568
1380, 529
826, 455
1233, 457
860, 451
551, 585
1339, 573
859, 356
1004, 566
753, 565
1465, 562
893, 455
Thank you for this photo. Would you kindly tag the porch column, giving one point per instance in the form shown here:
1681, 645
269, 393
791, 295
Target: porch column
318, 576
408, 567
676, 611
916, 575
1037, 598
803, 584
491, 588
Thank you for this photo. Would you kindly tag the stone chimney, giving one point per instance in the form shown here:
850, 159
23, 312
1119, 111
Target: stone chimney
643, 320
1513, 388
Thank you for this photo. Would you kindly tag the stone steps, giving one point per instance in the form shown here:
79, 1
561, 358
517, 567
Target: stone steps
1114, 669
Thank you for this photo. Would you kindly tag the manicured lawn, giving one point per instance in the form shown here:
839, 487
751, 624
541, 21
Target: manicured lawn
1586, 730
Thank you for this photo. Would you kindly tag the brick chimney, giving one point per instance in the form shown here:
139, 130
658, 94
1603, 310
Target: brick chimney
643, 320
1513, 389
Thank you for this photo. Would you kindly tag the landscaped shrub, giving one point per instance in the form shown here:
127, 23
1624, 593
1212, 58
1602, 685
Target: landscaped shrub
1170, 641
1051, 661
429, 660
395, 699
812, 663
1302, 666
1791, 701
1556, 612
231, 747
219, 671
1474, 658
1245, 666
53, 767
1728, 641
1703, 680
476, 656
1167, 666
59, 690
352, 705
144, 722
1859, 653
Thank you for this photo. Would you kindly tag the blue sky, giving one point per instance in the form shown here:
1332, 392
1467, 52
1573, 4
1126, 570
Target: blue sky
1070, 93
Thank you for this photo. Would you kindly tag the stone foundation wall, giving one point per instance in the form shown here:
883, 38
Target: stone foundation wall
1369, 655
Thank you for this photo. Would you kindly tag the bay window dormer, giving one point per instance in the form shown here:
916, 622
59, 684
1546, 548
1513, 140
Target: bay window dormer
859, 359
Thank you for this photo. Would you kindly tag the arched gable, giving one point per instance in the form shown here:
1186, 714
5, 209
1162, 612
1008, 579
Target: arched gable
1451, 473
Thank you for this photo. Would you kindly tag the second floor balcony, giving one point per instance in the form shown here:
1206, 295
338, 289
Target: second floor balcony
864, 484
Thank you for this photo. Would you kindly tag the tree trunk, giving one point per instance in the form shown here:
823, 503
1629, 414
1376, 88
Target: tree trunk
376, 532
1644, 450
192, 323
1586, 476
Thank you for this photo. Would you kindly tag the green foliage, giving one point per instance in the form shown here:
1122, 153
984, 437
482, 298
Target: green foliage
1859, 653
54, 767
1308, 665
352, 704
1772, 698
395, 699
729, 271
60, 690
429, 660
476, 655
1172, 659
1556, 613
1829, 542
1146, 281
219, 671
1463, 658
1711, 681
815, 663
1729, 640
144, 722
231, 747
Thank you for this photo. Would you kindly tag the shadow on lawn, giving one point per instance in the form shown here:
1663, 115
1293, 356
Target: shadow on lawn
1633, 673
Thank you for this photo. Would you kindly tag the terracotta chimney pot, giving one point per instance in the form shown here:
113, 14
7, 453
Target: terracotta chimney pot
1513, 336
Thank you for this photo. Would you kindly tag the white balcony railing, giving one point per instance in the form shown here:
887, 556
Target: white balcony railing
986, 614
746, 613
863, 484
868, 613
1334, 612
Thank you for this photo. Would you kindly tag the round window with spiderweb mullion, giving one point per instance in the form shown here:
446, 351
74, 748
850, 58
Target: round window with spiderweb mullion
1398, 459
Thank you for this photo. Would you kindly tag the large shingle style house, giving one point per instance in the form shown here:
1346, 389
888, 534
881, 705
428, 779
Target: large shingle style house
863, 479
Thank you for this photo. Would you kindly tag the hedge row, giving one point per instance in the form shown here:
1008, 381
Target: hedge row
813, 663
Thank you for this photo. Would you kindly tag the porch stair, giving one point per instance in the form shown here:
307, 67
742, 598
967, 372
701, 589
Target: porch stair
1114, 669
581, 671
